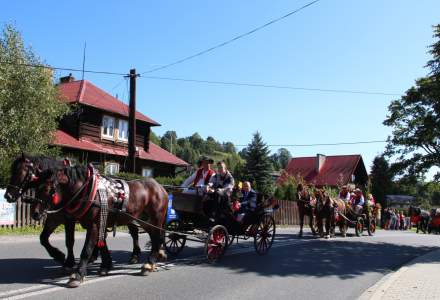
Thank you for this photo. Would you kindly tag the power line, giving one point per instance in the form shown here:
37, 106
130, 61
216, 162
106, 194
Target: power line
62, 68
272, 86
323, 144
231, 40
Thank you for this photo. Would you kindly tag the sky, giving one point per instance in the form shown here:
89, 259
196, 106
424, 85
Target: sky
368, 45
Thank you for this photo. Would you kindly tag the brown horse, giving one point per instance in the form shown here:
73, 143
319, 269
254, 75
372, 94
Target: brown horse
339, 212
306, 207
324, 210
25, 170
73, 188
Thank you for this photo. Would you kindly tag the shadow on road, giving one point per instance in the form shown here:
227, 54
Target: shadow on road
318, 258
344, 259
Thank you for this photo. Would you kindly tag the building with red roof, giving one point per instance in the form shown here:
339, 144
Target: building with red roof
97, 132
333, 171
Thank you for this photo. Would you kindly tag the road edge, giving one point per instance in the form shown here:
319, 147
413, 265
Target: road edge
377, 290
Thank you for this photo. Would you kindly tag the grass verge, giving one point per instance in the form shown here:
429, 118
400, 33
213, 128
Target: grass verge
33, 230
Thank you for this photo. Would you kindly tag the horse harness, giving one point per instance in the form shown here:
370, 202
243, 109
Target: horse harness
96, 190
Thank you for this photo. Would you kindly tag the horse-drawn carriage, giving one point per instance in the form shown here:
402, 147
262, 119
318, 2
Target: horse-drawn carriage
192, 224
360, 221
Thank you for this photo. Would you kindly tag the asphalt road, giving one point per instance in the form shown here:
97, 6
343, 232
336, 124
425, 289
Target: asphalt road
308, 268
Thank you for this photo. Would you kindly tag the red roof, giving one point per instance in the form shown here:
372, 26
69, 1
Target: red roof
155, 152
336, 170
89, 94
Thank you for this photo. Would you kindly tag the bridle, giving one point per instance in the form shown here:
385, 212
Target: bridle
24, 185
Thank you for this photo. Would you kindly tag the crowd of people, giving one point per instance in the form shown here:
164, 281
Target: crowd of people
394, 220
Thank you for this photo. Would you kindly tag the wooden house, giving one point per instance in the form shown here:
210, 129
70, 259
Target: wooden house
97, 132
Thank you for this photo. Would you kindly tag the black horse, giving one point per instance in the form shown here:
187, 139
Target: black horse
78, 192
25, 171
420, 217
305, 208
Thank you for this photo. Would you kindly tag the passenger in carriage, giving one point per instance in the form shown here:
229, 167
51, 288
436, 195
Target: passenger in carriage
200, 178
219, 190
358, 201
248, 202
344, 194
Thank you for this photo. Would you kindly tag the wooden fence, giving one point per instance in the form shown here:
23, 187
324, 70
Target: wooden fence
287, 214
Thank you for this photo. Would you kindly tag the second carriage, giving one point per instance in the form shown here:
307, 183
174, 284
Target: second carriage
188, 222
364, 220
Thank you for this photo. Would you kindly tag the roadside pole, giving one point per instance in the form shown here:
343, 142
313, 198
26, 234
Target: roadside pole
132, 123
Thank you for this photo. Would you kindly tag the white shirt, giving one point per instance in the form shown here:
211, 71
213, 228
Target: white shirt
191, 179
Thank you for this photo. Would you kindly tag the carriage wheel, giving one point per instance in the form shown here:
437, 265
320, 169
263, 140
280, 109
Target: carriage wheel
359, 226
263, 238
216, 243
174, 242
371, 227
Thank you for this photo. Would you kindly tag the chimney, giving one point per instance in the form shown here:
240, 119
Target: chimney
67, 79
320, 160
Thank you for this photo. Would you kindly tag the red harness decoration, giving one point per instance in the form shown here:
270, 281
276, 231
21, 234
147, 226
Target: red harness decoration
83, 206
435, 221
55, 199
415, 219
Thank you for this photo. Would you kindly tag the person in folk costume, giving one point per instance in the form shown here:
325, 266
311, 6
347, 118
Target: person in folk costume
358, 201
219, 191
344, 194
200, 178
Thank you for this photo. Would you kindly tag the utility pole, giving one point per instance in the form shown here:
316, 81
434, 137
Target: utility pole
132, 123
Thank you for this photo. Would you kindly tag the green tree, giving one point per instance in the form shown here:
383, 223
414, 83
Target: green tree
29, 104
280, 159
154, 138
229, 147
381, 179
258, 164
169, 141
415, 119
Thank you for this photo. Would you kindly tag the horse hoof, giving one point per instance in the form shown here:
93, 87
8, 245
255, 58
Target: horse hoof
133, 260
75, 281
103, 272
327, 236
148, 268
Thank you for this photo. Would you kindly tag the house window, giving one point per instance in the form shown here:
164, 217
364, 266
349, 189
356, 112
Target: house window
122, 130
147, 172
111, 168
108, 127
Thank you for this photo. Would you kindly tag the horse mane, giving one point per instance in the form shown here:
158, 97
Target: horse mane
76, 173
44, 162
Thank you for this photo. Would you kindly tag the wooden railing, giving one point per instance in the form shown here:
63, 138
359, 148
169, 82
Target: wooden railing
287, 214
